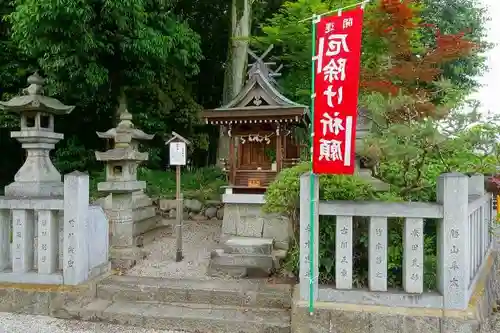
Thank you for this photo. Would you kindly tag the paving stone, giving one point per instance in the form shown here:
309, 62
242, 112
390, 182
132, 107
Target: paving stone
189, 317
234, 292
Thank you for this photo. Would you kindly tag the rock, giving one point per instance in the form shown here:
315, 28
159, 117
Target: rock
172, 213
198, 217
211, 212
193, 205
212, 203
220, 213
166, 204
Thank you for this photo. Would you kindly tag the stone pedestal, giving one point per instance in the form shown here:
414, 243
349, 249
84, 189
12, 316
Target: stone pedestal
37, 177
253, 243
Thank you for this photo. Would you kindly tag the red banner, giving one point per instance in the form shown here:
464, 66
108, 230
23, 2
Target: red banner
336, 84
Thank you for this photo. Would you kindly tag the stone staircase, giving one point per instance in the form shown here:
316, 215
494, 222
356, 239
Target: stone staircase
208, 306
245, 257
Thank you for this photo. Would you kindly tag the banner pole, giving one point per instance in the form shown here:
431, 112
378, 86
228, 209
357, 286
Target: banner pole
312, 176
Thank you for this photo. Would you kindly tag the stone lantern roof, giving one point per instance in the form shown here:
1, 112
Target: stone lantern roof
33, 99
125, 127
125, 136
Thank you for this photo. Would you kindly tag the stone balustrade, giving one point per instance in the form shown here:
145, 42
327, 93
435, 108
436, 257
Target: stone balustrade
56, 240
464, 242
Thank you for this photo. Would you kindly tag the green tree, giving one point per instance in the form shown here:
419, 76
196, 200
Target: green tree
96, 52
453, 17
291, 36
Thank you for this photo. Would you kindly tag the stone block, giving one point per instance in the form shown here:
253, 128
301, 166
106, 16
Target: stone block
242, 260
143, 213
249, 226
122, 234
248, 245
121, 187
98, 235
193, 205
278, 228
146, 225
188, 317
230, 218
35, 189
167, 204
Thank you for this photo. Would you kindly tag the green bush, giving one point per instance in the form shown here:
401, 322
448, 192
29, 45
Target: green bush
283, 197
201, 184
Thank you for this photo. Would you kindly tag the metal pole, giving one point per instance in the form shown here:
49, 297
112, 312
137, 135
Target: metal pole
312, 176
179, 215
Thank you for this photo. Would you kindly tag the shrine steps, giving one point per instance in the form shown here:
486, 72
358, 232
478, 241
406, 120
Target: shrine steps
245, 257
219, 306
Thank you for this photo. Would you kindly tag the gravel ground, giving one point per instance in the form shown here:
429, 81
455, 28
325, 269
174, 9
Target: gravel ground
199, 239
17, 323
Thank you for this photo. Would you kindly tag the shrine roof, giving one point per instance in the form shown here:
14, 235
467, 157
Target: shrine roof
259, 99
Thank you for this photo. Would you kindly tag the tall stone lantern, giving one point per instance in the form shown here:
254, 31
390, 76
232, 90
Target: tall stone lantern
37, 177
124, 208
363, 128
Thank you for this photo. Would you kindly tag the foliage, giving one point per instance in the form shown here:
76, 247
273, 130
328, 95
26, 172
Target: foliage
397, 48
403, 68
453, 17
137, 47
201, 184
412, 154
283, 197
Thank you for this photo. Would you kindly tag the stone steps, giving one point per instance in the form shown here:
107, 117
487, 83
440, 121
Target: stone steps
211, 306
245, 257
248, 245
248, 293
186, 317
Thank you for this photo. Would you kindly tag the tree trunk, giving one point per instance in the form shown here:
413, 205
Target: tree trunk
241, 21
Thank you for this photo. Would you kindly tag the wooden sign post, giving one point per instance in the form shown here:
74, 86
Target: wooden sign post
178, 157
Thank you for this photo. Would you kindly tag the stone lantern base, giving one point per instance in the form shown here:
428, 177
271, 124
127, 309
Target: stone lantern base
34, 189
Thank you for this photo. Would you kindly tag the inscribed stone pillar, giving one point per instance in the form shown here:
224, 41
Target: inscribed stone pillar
306, 227
453, 245
343, 252
22, 240
76, 205
5, 223
377, 268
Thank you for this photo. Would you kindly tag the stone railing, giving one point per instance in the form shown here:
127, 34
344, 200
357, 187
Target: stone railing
53, 240
464, 242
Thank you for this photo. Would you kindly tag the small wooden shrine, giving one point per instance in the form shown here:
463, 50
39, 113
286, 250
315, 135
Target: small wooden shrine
259, 122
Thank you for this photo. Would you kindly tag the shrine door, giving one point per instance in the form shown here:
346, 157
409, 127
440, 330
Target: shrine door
252, 155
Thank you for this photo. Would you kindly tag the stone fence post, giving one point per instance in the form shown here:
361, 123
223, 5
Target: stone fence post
452, 240
305, 234
76, 206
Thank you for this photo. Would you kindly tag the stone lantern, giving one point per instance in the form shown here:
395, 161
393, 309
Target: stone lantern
363, 128
122, 161
37, 177
129, 210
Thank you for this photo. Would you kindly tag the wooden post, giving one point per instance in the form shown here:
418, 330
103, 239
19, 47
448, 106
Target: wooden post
178, 158
179, 214
278, 149
284, 147
232, 160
